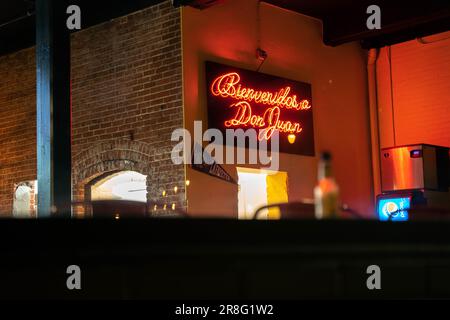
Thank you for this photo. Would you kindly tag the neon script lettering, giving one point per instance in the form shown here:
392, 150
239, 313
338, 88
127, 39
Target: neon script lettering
269, 122
228, 86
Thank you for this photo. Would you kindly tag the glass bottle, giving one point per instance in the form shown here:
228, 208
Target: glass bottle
326, 192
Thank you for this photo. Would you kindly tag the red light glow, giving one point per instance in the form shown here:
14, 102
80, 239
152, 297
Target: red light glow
228, 86
269, 122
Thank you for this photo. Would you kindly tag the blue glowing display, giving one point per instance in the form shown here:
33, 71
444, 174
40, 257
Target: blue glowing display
394, 209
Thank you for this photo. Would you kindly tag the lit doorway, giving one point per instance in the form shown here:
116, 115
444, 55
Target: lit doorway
121, 194
259, 188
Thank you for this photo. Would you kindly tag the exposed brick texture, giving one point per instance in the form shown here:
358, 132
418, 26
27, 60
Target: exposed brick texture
17, 124
126, 101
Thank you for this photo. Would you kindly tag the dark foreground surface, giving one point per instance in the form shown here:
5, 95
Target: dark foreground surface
223, 259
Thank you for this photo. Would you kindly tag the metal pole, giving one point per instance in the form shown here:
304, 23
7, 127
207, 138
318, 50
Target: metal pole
53, 110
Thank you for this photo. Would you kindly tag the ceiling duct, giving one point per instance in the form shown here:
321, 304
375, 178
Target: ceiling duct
198, 4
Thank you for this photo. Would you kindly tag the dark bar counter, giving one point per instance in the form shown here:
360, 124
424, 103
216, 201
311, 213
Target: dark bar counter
223, 259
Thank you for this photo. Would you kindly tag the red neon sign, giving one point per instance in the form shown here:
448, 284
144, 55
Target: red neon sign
244, 99
228, 86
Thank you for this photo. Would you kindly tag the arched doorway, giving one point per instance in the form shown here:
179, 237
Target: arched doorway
121, 194
110, 157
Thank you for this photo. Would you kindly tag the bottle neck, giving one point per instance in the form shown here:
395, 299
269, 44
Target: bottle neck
325, 170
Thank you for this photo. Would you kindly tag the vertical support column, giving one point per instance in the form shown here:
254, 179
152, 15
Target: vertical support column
53, 110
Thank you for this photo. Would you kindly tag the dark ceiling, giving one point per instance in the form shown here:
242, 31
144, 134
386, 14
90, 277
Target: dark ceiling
16, 25
343, 20
401, 20
17, 19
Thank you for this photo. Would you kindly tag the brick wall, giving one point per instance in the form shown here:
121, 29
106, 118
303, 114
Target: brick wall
126, 101
17, 124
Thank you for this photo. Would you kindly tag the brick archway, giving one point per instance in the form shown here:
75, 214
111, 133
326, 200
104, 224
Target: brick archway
119, 155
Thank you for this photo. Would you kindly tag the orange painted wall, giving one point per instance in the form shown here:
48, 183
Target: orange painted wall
417, 109
227, 33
